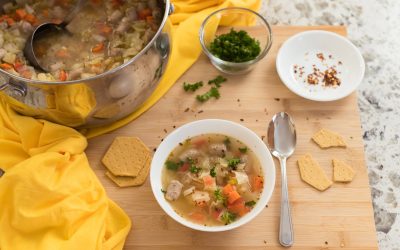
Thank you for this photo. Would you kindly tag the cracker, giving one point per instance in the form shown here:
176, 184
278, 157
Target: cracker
326, 139
342, 172
126, 181
126, 156
312, 173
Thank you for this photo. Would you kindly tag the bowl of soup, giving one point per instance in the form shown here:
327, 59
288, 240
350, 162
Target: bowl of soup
212, 175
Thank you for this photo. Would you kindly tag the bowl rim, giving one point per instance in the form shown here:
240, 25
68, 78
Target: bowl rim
266, 161
227, 63
289, 42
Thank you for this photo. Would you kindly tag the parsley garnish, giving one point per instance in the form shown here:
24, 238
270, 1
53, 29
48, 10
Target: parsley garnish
217, 81
213, 92
250, 203
243, 150
228, 217
172, 165
235, 46
194, 169
219, 196
192, 87
232, 163
212, 172
227, 141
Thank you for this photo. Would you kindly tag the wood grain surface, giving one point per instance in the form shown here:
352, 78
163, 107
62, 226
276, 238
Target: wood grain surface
339, 218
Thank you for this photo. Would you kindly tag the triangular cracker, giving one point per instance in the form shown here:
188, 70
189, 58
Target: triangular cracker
342, 172
126, 156
312, 173
326, 139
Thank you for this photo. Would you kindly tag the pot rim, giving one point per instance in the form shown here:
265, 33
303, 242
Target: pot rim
104, 74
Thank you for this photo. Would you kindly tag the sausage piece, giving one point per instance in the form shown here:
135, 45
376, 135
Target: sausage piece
174, 190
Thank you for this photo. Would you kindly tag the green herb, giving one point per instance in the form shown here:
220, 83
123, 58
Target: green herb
250, 203
235, 46
243, 150
228, 217
217, 81
212, 172
219, 196
172, 165
192, 87
232, 163
227, 141
162, 190
194, 169
213, 92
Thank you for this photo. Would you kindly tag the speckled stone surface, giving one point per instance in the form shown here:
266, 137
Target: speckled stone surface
374, 27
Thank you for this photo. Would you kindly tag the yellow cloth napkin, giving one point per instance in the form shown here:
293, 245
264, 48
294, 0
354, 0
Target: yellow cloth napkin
49, 196
184, 24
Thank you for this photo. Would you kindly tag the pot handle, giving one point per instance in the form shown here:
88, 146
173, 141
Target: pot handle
13, 90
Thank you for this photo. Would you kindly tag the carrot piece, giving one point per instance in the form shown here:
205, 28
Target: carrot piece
62, 53
6, 66
18, 66
105, 29
30, 18
233, 196
227, 189
10, 21
199, 142
258, 183
238, 207
26, 74
98, 48
45, 13
197, 216
184, 167
149, 19
63, 75
143, 14
208, 180
20, 14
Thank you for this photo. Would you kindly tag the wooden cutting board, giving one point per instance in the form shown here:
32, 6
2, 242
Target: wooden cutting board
339, 218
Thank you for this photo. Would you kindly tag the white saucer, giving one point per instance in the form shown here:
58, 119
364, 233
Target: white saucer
302, 50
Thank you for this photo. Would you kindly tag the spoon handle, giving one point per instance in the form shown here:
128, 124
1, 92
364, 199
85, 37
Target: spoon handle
286, 227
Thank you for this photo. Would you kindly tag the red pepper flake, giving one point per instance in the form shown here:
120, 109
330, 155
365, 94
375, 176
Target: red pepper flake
187, 109
241, 119
165, 130
201, 111
321, 56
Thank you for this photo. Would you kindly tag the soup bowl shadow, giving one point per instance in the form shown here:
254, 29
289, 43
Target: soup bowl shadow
213, 126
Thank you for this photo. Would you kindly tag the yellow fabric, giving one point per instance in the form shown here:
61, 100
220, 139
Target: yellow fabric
184, 24
49, 196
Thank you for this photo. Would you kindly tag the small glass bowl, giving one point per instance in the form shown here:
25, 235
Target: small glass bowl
221, 22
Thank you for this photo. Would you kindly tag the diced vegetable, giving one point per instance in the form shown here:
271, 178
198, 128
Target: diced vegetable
213, 92
227, 189
63, 75
212, 172
217, 81
232, 163
172, 165
228, 217
238, 207
258, 183
98, 48
6, 66
243, 150
250, 203
192, 87
233, 196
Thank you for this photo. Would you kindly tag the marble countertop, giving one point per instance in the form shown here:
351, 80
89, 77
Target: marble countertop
373, 26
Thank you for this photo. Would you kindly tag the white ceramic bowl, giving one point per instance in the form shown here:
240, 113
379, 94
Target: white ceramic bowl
213, 126
301, 50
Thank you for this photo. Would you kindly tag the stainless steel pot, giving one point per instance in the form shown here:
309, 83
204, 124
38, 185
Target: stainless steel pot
95, 101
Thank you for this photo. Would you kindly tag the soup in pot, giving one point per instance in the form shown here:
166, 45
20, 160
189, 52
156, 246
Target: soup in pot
212, 179
103, 35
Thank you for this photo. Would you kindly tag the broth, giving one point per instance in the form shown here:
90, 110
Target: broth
212, 179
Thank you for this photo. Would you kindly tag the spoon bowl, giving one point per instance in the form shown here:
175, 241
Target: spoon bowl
44, 29
282, 142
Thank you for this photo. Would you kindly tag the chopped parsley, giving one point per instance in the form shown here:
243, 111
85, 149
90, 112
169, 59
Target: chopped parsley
243, 150
235, 46
213, 92
250, 203
217, 81
194, 169
227, 141
228, 217
172, 165
212, 172
192, 87
232, 163
219, 196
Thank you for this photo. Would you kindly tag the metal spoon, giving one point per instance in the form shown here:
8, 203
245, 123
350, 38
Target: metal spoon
43, 29
282, 142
